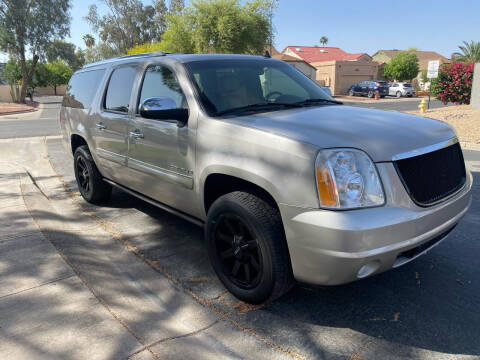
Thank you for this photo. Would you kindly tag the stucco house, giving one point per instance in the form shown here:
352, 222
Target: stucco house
336, 68
385, 56
298, 63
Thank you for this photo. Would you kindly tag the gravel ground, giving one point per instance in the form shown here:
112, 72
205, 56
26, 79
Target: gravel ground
463, 118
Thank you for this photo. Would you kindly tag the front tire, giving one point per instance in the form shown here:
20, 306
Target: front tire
89, 180
247, 247
398, 94
351, 92
370, 94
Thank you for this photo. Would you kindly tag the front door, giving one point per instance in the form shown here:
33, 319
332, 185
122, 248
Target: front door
111, 124
162, 152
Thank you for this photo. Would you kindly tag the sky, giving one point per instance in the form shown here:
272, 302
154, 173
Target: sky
355, 26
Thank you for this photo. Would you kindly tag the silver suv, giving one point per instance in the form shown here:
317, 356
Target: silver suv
287, 182
400, 89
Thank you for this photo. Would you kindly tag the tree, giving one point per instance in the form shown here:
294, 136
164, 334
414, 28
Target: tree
219, 26
12, 72
404, 66
99, 52
323, 40
127, 23
59, 73
469, 52
89, 40
176, 6
148, 47
27, 27
65, 51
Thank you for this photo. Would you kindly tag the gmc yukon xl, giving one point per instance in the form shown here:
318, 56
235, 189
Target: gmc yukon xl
287, 182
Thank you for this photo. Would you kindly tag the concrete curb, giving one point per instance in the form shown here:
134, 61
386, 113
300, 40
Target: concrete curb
18, 112
469, 145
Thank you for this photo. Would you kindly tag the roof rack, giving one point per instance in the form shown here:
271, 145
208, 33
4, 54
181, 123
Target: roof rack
107, 61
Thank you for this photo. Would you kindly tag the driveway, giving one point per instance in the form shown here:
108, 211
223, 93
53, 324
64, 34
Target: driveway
149, 272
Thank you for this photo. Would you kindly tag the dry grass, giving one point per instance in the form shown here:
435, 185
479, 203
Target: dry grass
463, 118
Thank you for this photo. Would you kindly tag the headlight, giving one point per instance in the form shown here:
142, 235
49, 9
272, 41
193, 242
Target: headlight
347, 179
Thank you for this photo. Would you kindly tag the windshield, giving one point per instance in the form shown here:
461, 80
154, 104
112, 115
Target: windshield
226, 85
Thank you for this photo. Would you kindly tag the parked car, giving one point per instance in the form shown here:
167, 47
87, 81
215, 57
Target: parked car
286, 182
368, 88
400, 89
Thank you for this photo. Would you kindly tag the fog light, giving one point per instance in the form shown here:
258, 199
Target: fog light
368, 269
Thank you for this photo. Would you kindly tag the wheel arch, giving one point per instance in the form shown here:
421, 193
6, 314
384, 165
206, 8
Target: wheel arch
221, 182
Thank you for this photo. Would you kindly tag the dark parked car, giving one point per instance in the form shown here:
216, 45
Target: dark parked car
368, 88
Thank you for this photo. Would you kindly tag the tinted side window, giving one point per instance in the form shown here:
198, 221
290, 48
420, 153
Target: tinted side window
82, 88
160, 81
119, 89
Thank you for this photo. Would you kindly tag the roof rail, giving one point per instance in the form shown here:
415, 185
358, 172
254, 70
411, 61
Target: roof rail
107, 61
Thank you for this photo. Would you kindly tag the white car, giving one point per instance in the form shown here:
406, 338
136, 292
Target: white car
400, 89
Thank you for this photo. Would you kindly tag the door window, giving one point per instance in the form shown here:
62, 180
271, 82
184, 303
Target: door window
160, 81
119, 89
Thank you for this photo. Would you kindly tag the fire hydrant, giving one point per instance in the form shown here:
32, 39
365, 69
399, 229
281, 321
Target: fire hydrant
377, 95
423, 106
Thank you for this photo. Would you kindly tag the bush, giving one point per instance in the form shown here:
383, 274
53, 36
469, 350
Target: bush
454, 83
404, 66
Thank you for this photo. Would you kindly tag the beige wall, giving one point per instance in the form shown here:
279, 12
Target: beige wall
304, 68
340, 75
5, 92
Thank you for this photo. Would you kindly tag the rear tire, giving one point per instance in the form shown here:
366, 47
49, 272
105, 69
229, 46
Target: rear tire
89, 180
351, 93
247, 247
370, 94
398, 94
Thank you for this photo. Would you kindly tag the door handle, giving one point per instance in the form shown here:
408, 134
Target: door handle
101, 126
136, 134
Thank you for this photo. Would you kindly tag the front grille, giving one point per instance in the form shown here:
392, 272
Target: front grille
431, 177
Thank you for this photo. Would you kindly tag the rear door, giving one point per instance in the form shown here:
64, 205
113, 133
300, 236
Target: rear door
111, 124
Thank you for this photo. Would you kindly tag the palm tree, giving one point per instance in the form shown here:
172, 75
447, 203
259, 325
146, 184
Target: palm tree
323, 40
469, 52
89, 40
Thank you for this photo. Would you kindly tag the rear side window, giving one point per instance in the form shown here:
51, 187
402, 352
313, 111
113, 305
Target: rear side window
119, 89
407, 85
82, 88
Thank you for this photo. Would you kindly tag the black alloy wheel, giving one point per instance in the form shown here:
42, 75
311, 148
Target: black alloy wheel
89, 180
83, 175
247, 247
237, 249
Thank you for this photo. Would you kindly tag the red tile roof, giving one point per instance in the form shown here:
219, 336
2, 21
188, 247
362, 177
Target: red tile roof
313, 54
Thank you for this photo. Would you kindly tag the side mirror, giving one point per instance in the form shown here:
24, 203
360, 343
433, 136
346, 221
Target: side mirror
163, 108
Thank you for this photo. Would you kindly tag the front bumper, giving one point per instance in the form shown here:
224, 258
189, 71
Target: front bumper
335, 247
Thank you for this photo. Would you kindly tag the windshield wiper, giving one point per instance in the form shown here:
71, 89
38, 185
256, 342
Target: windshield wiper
258, 106
314, 101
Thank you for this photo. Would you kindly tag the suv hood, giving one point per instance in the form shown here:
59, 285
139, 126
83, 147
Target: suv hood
382, 134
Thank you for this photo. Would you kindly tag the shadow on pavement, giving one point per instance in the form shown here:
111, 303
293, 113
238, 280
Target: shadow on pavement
431, 303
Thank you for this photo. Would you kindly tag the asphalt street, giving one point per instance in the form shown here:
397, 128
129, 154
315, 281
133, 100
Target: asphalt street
391, 104
427, 309
42, 122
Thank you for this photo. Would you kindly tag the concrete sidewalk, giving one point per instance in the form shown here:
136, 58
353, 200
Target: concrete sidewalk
69, 289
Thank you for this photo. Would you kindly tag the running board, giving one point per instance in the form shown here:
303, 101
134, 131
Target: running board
167, 208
